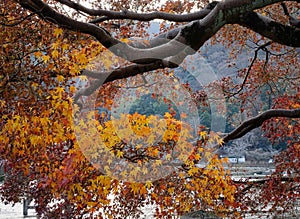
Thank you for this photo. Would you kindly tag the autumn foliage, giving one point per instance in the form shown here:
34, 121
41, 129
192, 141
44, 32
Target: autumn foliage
65, 145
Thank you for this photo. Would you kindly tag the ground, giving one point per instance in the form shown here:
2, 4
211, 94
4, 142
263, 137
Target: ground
14, 212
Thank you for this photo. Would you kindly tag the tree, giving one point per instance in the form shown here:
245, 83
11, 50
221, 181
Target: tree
51, 123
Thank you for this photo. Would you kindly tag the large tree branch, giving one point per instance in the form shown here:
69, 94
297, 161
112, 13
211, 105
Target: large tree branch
175, 44
136, 55
283, 34
193, 35
228, 12
126, 14
119, 73
257, 121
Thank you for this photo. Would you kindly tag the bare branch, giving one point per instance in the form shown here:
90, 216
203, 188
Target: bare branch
257, 121
262, 47
285, 10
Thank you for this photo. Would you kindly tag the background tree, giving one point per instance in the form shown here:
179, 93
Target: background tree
45, 44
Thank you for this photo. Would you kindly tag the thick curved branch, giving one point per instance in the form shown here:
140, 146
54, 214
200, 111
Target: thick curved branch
229, 12
156, 41
120, 73
257, 121
193, 35
49, 14
183, 41
282, 34
136, 55
126, 14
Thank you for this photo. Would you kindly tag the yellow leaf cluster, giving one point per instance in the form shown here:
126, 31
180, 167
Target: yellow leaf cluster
57, 32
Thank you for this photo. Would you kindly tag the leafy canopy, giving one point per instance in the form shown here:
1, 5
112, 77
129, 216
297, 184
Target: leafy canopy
69, 69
